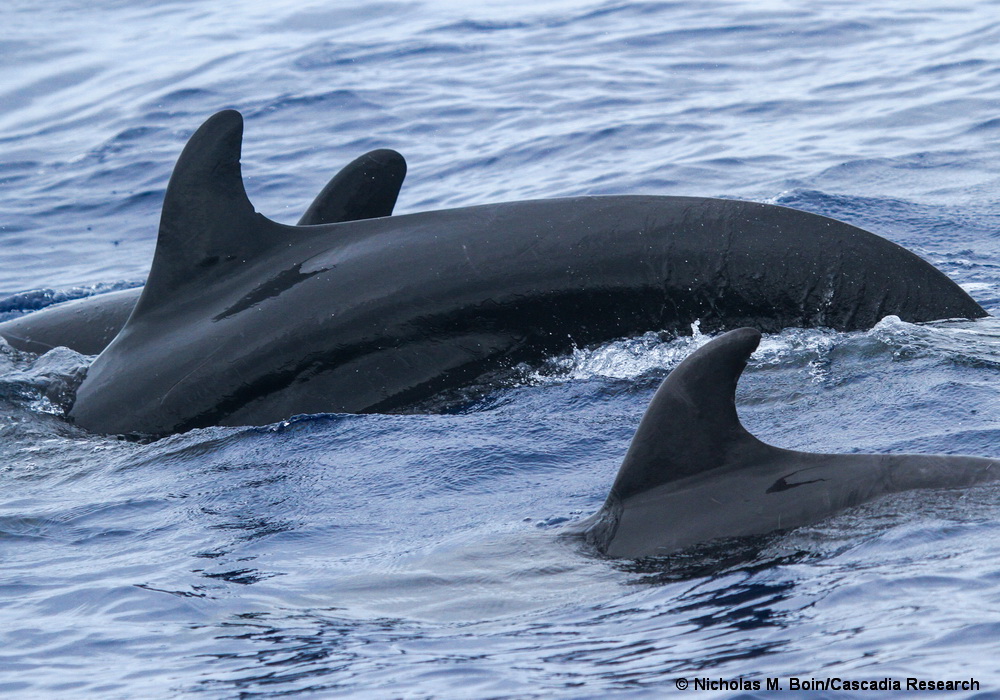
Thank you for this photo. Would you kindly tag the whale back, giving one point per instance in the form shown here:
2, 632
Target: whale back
247, 321
365, 188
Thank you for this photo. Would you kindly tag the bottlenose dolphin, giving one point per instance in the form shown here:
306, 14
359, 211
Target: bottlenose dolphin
694, 474
366, 188
247, 321
86, 325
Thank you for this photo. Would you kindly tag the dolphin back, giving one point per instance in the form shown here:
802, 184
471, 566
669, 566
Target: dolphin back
694, 474
86, 325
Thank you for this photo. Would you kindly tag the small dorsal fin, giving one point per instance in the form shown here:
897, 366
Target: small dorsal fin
366, 188
691, 425
207, 219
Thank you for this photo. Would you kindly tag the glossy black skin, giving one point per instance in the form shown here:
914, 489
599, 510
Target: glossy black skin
250, 322
86, 325
365, 188
694, 474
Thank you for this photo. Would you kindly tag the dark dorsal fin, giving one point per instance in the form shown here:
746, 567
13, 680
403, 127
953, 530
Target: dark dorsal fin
691, 424
207, 222
366, 188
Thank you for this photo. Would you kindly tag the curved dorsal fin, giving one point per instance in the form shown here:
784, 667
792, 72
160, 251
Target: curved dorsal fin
207, 220
366, 188
208, 223
691, 424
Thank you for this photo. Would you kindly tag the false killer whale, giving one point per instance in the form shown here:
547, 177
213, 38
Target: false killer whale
694, 474
366, 188
247, 321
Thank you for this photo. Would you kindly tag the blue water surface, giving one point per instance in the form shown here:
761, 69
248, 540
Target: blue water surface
419, 556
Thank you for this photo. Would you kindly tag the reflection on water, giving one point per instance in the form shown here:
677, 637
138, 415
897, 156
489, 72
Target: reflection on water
420, 556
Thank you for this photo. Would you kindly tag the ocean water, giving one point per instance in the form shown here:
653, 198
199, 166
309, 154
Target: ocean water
419, 556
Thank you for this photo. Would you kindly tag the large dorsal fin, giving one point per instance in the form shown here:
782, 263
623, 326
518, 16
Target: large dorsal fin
207, 220
366, 188
208, 223
691, 424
